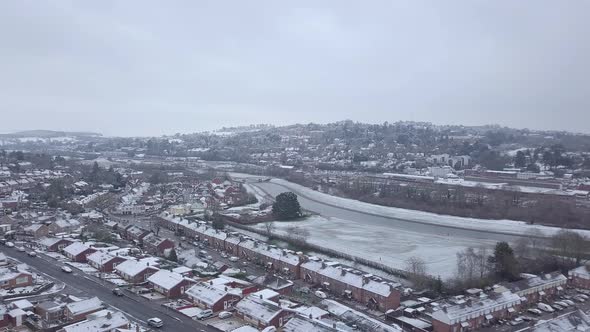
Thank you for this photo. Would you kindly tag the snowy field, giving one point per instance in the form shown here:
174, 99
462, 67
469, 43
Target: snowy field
392, 235
387, 245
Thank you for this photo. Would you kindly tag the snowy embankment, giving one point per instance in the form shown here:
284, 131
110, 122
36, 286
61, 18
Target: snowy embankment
509, 227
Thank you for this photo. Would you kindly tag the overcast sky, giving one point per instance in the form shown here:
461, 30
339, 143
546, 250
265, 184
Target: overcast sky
160, 67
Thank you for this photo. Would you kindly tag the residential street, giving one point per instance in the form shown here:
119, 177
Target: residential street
79, 284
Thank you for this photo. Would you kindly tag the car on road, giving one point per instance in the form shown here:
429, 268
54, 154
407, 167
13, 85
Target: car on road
20, 249
10, 244
224, 314
32, 253
233, 259
224, 255
118, 291
66, 269
204, 314
155, 322
321, 294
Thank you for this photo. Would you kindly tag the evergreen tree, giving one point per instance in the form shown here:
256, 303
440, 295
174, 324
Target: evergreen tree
286, 206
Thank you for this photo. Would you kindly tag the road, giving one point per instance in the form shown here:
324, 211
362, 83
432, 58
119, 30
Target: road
135, 307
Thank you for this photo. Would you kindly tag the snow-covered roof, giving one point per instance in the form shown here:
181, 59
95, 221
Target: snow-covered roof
535, 283
132, 267
298, 323
258, 309
100, 323
206, 293
84, 306
476, 308
8, 274
341, 274
265, 294
581, 271
166, 279
100, 257
315, 312
75, 248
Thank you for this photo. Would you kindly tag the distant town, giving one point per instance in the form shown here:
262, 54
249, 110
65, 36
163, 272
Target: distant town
336, 227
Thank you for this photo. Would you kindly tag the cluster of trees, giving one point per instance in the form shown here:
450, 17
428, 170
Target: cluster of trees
286, 206
98, 175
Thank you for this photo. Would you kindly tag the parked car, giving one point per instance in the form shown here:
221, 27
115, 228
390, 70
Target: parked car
535, 311
579, 299
224, 255
526, 318
204, 314
2, 240
10, 244
570, 302
32, 253
155, 322
203, 253
118, 291
66, 269
584, 296
562, 304
234, 259
321, 294
209, 257
557, 307
545, 307
224, 314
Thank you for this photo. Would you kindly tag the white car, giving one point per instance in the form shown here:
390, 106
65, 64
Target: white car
10, 244
234, 259
570, 302
155, 322
20, 249
204, 314
321, 294
66, 269
545, 307
224, 314
32, 253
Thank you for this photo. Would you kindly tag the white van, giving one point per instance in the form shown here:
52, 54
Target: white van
545, 307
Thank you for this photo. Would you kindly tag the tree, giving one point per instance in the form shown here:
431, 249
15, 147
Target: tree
286, 206
218, 222
504, 262
269, 227
570, 244
416, 267
172, 256
520, 159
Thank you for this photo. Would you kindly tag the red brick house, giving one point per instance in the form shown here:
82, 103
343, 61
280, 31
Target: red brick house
214, 297
36, 231
474, 313
78, 252
156, 245
134, 233
262, 313
135, 272
535, 288
54, 244
367, 289
104, 261
12, 278
580, 277
77, 311
170, 284
276, 283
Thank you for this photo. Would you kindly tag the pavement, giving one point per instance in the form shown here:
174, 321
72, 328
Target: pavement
78, 283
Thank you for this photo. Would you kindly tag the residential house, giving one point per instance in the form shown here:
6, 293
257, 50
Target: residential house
36, 231
262, 313
534, 288
276, 283
50, 311
78, 310
134, 271
104, 261
13, 278
54, 244
301, 323
101, 321
156, 245
474, 313
365, 288
169, 284
78, 252
214, 297
575, 321
134, 233
580, 277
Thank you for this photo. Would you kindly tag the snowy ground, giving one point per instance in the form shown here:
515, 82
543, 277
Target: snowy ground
392, 235
384, 244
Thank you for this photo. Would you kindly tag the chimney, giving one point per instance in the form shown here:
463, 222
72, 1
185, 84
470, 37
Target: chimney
211, 282
261, 296
444, 309
109, 315
343, 272
226, 288
324, 265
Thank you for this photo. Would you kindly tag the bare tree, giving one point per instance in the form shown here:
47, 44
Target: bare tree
298, 234
472, 266
416, 267
570, 244
270, 228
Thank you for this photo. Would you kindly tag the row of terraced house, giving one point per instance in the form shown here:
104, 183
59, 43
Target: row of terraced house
373, 291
